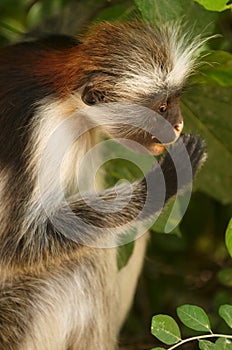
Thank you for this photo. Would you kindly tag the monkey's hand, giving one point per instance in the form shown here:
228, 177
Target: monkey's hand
109, 213
182, 162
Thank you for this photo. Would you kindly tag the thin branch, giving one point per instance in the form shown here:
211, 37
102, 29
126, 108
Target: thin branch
198, 338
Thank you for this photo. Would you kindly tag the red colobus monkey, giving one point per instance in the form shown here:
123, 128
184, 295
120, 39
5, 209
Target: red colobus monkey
60, 288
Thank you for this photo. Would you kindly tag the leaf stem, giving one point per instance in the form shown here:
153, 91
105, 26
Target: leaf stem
198, 338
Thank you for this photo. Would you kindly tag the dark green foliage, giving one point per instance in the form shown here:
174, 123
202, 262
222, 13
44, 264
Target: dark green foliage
196, 268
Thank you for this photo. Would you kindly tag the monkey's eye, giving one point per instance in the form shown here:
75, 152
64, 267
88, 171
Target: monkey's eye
163, 107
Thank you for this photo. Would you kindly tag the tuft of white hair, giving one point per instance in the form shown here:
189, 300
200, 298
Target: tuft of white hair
146, 75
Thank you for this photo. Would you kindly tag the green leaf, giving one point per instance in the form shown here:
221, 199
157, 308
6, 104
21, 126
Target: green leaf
214, 5
123, 163
225, 277
194, 317
154, 10
225, 311
168, 220
207, 111
229, 237
166, 329
158, 349
114, 13
160, 11
124, 253
223, 344
206, 345
217, 69
42, 10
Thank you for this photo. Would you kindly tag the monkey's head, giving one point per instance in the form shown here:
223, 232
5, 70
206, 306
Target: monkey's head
133, 62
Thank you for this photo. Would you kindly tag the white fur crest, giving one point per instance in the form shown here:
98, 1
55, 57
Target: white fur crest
145, 75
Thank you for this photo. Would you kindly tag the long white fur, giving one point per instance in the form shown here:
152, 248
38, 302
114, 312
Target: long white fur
149, 77
64, 304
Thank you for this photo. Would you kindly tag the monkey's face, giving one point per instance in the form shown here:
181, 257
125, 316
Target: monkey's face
154, 121
169, 109
144, 65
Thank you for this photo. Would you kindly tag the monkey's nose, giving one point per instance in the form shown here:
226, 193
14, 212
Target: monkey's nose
179, 127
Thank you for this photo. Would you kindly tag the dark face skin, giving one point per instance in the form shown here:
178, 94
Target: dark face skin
161, 134
169, 109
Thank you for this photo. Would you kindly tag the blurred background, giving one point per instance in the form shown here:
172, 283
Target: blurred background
191, 264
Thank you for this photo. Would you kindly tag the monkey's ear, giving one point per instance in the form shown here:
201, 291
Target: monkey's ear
91, 95
95, 91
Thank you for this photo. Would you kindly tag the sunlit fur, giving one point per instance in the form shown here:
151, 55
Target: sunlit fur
57, 293
146, 61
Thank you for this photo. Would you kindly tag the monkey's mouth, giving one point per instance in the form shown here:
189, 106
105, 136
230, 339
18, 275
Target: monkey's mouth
151, 143
147, 140
154, 145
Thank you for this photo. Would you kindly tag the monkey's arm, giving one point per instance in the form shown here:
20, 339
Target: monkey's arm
107, 212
